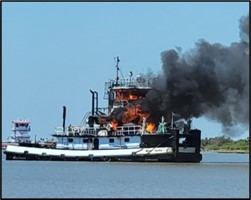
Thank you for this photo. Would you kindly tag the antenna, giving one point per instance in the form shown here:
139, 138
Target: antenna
117, 72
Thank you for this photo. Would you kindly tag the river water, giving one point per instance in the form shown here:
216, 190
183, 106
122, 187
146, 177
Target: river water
219, 175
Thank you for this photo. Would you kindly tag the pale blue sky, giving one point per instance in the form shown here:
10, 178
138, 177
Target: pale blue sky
53, 53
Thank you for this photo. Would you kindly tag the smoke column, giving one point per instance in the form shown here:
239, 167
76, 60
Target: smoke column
210, 80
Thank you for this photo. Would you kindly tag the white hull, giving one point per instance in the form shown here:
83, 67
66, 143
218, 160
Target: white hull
87, 153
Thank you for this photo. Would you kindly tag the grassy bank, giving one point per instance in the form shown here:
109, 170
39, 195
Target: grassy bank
225, 145
233, 151
228, 151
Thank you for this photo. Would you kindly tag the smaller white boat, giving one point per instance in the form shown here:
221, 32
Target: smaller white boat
21, 129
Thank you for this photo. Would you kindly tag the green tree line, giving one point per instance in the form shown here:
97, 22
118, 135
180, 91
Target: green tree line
225, 144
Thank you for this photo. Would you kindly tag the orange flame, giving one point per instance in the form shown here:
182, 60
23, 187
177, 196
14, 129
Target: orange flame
114, 125
134, 113
119, 95
133, 97
125, 95
150, 127
131, 113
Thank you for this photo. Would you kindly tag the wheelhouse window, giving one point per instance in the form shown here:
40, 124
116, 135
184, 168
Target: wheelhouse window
85, 140
70, 140
127, 139
111, 140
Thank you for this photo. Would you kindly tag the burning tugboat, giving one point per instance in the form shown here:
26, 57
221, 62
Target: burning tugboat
124, 131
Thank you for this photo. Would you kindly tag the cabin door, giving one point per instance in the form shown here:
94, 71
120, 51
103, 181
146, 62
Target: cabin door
96, 143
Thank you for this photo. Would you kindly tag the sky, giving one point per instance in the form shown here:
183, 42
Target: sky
54, 53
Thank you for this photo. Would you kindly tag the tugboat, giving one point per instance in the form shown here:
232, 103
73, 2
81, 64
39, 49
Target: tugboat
124, 131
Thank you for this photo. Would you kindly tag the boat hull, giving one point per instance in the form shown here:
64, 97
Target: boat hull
161, 154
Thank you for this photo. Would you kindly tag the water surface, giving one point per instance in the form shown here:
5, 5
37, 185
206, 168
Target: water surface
219, 175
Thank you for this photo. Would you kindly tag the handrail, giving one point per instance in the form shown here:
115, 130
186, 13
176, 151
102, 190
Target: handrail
93, 131
130, 83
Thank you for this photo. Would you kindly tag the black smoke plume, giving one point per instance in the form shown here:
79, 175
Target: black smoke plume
210, 80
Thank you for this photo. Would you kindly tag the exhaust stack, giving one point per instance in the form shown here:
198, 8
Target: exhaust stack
94, 97
92, 102
64, 116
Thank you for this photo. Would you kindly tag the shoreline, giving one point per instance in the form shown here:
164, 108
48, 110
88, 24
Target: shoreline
227, 151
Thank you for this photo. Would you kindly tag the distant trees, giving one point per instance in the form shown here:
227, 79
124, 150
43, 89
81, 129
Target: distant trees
224, 143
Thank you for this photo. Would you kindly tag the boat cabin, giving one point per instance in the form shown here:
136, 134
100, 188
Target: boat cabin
21, 128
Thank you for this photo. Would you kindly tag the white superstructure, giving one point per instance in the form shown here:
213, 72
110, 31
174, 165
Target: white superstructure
20, 129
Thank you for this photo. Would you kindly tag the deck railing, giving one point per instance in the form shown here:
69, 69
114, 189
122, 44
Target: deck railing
93, 131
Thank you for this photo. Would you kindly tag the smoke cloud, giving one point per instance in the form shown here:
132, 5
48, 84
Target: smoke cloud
210, 80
